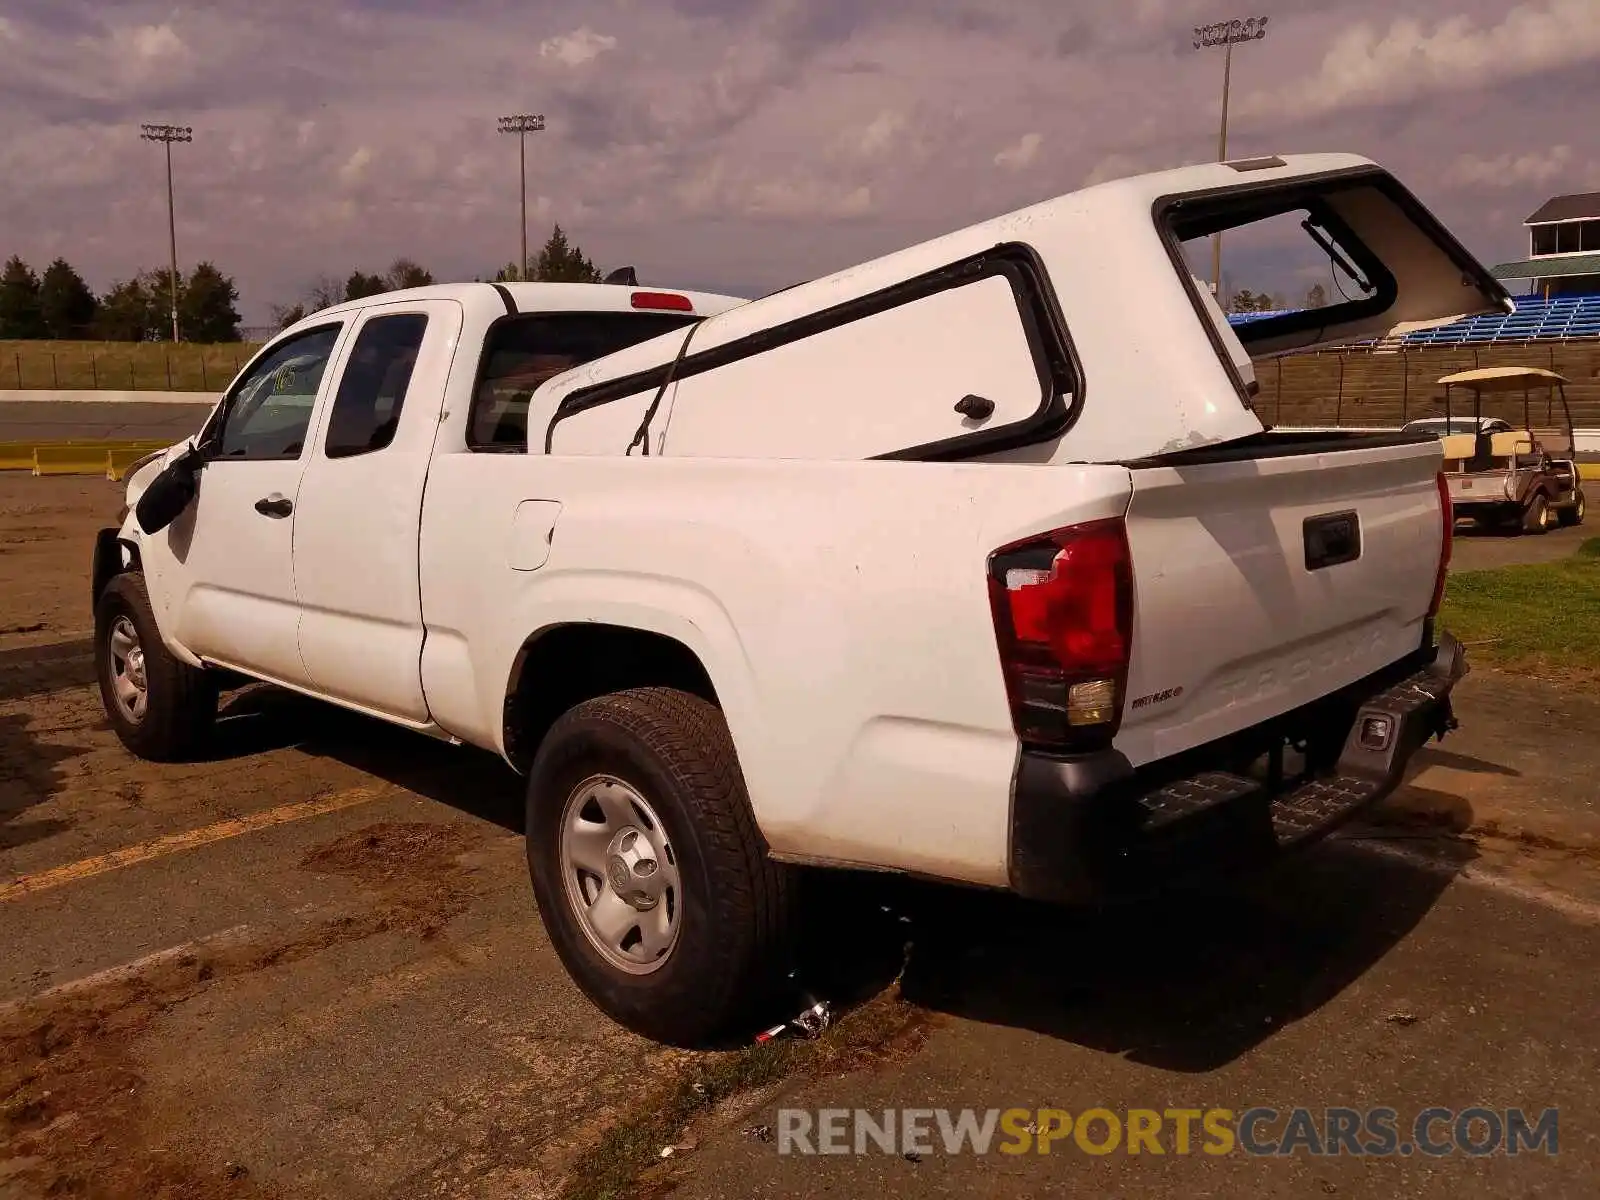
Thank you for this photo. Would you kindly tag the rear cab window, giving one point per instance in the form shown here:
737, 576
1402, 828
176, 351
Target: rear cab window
523, 351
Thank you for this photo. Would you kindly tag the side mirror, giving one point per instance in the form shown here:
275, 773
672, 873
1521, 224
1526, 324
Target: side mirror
169, 493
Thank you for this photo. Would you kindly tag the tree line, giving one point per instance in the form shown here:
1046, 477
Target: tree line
558, 261
59, 305
1245, 300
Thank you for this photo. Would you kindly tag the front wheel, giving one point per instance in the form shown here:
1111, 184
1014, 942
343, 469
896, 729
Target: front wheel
1574, 515
161, 708
651, 877
1536, 516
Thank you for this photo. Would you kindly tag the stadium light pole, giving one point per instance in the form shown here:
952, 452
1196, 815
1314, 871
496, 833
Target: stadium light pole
167, 134
522, 124
1225, 34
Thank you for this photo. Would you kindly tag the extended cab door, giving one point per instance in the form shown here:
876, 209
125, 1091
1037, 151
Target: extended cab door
224, 570
360, 509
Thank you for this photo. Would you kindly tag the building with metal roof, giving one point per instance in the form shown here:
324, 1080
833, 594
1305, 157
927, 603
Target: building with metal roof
1563, 247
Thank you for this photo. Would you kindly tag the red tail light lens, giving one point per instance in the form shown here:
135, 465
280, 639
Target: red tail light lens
662, 301
1447, 515
1063, 615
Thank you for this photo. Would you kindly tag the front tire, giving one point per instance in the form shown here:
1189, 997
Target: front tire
1536, 517
1575, 514
650, 875
161, 708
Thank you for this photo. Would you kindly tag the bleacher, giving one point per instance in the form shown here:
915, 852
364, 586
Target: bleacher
1562, 318
1535, 320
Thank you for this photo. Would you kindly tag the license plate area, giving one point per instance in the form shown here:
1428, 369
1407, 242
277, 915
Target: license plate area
1331, 539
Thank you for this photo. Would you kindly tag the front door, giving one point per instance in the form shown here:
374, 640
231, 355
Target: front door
230, 562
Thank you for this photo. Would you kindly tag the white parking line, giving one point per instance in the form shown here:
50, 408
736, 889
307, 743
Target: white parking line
128, 970
1574, 908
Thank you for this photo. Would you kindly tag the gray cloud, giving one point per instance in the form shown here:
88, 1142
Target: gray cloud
741, 144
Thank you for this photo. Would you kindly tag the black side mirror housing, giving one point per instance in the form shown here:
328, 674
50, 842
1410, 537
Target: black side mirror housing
169, 493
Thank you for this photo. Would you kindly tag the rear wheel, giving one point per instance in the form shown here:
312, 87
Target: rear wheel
160, 707
1536, 516
651, 877
1575, 514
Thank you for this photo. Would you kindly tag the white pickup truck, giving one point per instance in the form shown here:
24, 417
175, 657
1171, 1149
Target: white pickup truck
973, 562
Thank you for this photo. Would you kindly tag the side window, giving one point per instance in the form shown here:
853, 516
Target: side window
270, 409
372, 389
522, 352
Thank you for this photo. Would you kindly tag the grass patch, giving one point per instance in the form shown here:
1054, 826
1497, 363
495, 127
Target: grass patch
121, 366
1540, 617
628, 1163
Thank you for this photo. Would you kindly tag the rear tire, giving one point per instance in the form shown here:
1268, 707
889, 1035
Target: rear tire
1536, 516
1575, 514
161, 708
651, 877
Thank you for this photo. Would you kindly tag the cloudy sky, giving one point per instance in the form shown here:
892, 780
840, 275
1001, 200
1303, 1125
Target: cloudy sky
739, 145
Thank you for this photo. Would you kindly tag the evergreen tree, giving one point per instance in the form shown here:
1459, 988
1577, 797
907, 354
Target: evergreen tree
20, 314
66, 305
361, 285
206, 311
562, 262
128, 313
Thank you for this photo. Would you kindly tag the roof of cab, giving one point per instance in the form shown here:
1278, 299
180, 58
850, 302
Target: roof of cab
531, 297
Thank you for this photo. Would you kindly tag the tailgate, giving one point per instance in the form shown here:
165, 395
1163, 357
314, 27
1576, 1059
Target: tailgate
1265, 582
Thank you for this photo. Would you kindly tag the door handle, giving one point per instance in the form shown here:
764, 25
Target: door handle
975, 408
275, 505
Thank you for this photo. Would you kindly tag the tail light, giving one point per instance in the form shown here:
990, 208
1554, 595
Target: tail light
1063, 618
1447, 515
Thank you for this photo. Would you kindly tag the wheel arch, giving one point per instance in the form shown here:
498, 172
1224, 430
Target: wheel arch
564, 664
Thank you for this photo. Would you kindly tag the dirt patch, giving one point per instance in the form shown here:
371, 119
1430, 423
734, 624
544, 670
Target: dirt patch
412, 865
75, 1119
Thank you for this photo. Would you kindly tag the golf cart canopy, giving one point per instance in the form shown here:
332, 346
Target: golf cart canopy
1504, 379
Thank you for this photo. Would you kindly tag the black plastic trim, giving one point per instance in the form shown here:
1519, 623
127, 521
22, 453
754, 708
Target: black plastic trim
1055, 358
506, 298
1274, 443
1074, 820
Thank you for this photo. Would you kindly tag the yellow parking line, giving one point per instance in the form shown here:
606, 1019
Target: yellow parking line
31, 885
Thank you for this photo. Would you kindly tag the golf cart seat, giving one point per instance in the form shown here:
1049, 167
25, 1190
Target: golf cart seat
1504, 445
1457, 449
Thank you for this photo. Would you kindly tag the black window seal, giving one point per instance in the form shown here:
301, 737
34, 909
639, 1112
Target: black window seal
212, 429
511, 316
1342, 179
1055, 357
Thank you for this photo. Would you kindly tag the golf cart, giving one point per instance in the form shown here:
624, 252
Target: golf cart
1499, 476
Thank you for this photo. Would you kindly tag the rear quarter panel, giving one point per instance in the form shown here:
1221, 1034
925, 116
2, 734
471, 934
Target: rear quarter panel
840, 608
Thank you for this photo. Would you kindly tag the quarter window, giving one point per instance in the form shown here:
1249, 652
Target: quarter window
372, 388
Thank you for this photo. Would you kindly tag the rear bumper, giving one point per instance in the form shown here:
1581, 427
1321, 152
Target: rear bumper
1095, 828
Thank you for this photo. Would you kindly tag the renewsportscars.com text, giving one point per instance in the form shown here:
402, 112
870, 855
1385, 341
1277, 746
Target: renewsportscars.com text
1258, 1131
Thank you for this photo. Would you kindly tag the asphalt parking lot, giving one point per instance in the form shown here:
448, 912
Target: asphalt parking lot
311, 966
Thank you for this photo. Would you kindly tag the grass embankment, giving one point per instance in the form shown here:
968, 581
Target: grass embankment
1536, 617
124, 366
